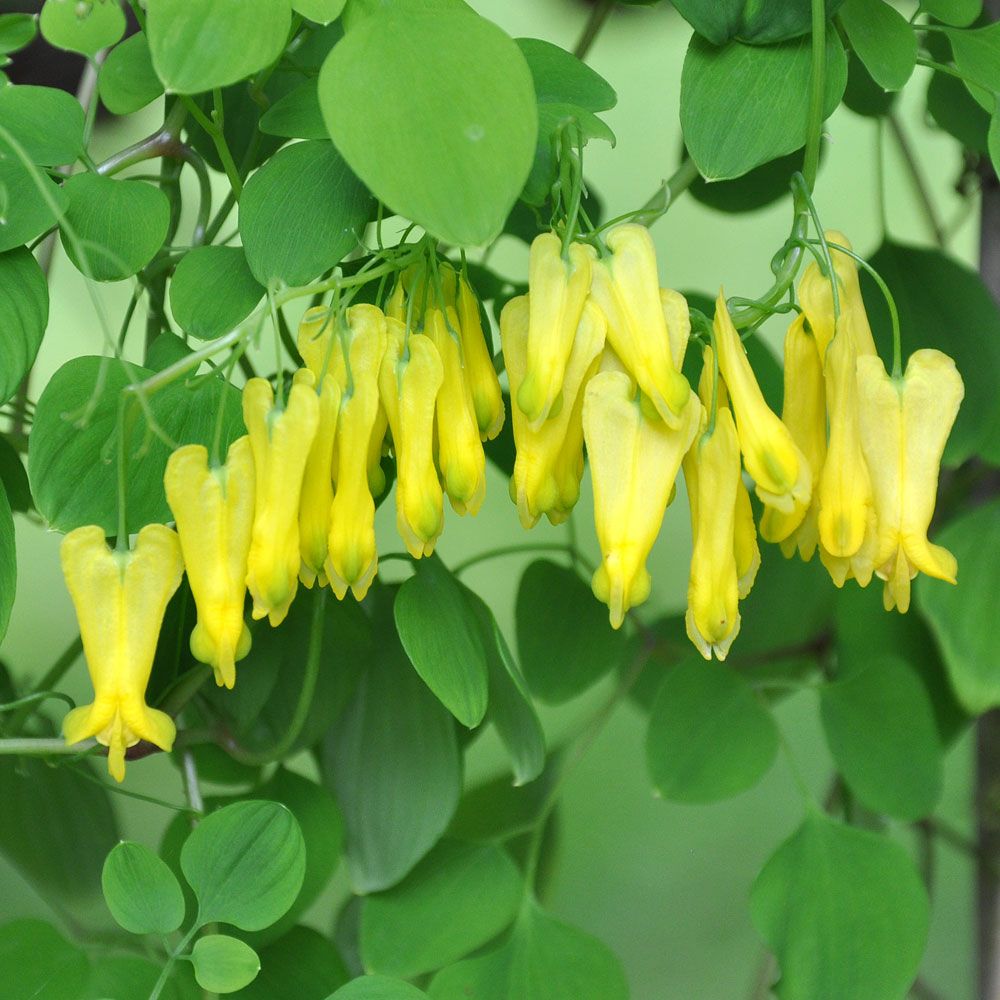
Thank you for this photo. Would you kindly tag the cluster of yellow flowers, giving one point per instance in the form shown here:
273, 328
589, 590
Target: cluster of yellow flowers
593, 355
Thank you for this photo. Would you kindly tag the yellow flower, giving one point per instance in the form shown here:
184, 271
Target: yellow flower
804, 414
777, 467
626, 288
816, 299
120, 598
487, 399
846, 506
461, 458
549, 461
317, 488
214, 511
905, 423
409, 380
281, 441
558, 289
352, 559
713, 476
634, 461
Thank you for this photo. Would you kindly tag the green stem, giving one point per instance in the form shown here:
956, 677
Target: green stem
33, 700
817, 91
598, 17
657, 204
509, 550
214, 131
168, 968
51, 678
29, 747
919, 182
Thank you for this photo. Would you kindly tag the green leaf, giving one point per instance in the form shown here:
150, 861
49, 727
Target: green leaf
378, 988
880, 728
245, 863
759, 23
118, 225
142, 893
123, 976
47, 122
301, 213
561, 78
883, 39
744, 105
213, 291
68, 465
320, 11
14, 478
961, 617
543, 959
954, 109
863, 95
38, 962
441, 635
297, 115
759, 187
16, 32
127, 81
958, 13
844, 911
165, 350
24, 314
945, 305
201, 44
394, 765
977, 56
84, 27
563, 636
30, 201
457, 899
8, 563
301, 964
58, 828
709, 736
447, 142
993, 138
510, 708
224, 964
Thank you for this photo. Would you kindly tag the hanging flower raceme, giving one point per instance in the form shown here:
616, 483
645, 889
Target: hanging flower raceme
775, 463
559, 285
120, 599
281, 440
905, 423
804, 414
409, 380
626, 287
352, 558
549, 456
634, 461
214, 511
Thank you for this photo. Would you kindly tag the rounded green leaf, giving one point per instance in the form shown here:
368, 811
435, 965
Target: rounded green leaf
24, 314
301, 964
223, 964
864, 96
197, 45
743, 105
8, 562
378, 988
48, 123
883, 39
85, 27
127, 81
880, 727
977, 57
115, 226
441, 636
844, 911
759, 187
543, 959
142, 893
458, 898
446, 141
14, 478
394, 764
561, 78
245, 863
709, 736
16, 31
958, 13
953, 109
754, 22
944, 304
563, 636
296, 115
961, 617
301, 213
74, 436
212, 291
30, 201
38, 962
320, 11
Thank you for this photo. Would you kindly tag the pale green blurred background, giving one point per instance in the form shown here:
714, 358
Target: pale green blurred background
665, 886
